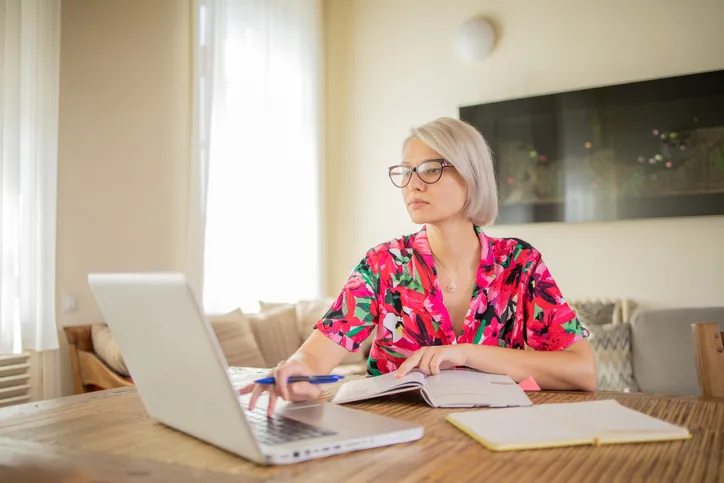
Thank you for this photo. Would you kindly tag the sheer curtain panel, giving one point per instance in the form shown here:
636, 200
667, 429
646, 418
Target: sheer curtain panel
29, 76
258, 150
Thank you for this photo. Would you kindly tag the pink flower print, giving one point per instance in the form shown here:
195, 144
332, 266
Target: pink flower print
492, 331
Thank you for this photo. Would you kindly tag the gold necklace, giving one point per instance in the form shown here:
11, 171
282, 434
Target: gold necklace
451, 286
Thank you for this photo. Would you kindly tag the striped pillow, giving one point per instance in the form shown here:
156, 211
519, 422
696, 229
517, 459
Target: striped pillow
611, 345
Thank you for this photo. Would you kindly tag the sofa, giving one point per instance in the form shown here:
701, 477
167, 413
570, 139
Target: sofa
662, 347
256, 340
646, 350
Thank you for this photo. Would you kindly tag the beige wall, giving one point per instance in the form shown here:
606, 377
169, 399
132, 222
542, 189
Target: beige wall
390, 65
125, 127
125, 113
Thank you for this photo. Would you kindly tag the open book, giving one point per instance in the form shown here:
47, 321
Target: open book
564, 424
449, 389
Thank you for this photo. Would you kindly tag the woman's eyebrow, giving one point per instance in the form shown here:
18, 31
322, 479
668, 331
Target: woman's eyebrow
408, 163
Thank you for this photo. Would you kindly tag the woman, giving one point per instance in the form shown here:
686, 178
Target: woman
417, 290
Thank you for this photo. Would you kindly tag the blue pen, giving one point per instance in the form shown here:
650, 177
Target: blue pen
310, 379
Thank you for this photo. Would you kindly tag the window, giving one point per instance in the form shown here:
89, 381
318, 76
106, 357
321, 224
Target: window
259, 137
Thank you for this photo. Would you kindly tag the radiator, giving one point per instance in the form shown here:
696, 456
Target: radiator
14, 379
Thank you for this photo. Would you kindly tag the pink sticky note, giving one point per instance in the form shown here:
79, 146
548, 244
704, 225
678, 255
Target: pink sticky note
529, 384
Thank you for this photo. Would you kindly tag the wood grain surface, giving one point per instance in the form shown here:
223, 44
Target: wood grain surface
709, 355
103, 433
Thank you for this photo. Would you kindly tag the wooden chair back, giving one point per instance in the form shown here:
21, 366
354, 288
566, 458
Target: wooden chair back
709, 353
89, 371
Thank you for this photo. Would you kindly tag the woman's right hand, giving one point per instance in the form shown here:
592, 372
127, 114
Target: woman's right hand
298, 391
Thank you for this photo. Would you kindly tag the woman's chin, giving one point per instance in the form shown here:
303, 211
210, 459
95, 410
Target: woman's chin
418, 218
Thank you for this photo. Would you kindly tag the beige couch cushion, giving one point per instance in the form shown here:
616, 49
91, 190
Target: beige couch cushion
232, 331
276, 332
237, 340
309, 312
106, 348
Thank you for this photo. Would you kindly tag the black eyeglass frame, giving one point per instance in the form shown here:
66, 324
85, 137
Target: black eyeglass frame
443, 164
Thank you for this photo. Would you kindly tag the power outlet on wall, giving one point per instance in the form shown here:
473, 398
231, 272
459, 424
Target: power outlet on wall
70, 303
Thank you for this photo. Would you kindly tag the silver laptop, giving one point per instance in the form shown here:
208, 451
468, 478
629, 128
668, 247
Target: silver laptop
181, 374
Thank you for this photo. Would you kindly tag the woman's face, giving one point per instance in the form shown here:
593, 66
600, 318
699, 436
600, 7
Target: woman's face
436, 202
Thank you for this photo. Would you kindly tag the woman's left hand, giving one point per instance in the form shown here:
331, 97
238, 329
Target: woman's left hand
431, 359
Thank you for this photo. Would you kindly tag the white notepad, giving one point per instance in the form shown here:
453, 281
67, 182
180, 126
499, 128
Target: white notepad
565, 424
449, 389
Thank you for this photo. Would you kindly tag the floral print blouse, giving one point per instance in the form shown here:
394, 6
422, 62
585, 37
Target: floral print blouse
395, 288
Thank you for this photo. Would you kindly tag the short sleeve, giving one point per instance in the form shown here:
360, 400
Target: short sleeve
354, 313
550, 324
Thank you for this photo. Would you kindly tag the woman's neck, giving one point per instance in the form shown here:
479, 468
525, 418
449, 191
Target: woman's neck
453, 242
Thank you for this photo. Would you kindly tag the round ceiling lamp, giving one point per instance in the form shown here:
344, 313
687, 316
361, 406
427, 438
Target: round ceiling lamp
474, 40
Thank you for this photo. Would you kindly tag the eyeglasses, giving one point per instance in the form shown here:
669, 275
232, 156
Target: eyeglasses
429, 171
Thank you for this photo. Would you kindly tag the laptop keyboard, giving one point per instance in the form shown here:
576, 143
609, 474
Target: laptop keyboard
277, 430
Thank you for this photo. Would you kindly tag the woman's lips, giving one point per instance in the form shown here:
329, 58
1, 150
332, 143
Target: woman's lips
417, 204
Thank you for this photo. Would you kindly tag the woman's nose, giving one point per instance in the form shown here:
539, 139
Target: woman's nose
416, 184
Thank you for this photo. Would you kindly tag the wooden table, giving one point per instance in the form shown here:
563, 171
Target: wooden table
109, 437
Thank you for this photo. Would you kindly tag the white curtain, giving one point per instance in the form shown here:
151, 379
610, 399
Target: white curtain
259, 150
29, 77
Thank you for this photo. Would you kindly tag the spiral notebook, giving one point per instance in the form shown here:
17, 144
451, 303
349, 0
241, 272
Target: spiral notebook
564, 424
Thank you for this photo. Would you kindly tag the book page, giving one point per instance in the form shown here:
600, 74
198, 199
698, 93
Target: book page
468, 388
609, 421
370, 387
517, 428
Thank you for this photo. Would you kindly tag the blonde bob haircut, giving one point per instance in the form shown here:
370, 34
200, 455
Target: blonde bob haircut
465, 148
